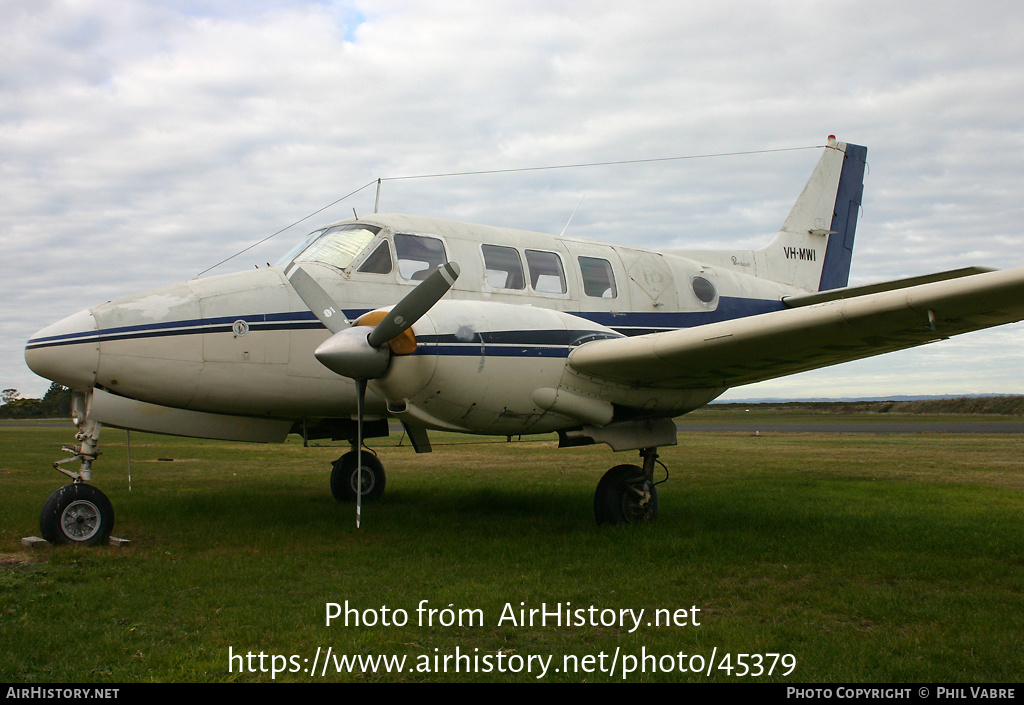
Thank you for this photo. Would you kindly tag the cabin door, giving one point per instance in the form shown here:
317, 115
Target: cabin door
651, 286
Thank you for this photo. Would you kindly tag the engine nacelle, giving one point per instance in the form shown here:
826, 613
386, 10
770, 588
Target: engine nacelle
492, 368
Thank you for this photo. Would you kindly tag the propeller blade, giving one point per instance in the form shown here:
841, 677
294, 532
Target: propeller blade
351, 353
360, 403
318, 300
416, 303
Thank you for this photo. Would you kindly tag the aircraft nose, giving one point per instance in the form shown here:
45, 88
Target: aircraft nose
67, 352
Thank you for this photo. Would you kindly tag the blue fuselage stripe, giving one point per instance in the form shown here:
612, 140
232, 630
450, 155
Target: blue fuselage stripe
545, 343
477, 350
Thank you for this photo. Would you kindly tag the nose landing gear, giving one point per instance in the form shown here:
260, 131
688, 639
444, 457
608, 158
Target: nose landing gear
78, 513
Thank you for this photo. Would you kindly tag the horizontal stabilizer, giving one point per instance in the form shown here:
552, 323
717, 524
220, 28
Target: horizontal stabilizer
851, 291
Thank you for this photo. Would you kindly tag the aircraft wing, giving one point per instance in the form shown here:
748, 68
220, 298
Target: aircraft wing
808, 335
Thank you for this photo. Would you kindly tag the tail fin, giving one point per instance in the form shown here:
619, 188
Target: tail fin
814, 248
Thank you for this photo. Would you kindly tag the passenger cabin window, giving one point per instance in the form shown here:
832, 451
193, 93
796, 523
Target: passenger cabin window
379, 262
703, 289
503, 268
340, 245
418, 256
546, 273
598, 279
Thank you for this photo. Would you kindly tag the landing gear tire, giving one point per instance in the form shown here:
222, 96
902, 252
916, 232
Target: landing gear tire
345, 477
78, 514
625, 496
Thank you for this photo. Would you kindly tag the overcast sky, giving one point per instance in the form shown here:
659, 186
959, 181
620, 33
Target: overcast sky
142, 142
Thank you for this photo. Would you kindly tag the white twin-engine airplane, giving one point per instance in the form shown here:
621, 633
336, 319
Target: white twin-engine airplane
496, 331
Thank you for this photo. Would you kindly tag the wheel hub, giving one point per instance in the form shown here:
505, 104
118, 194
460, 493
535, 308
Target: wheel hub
80, 520
369, 480
636, 502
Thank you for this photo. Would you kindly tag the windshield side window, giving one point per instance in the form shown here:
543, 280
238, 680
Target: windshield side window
293, 253
340, 245
598, 278
502, 267
418, 255
379, 262
546, 273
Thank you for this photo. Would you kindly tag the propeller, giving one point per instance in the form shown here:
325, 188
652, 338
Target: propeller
363, 355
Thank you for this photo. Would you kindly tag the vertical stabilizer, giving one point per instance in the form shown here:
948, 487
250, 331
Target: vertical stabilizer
814, 248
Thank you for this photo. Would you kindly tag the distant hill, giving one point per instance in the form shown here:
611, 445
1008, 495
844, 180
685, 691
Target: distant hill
1007, 405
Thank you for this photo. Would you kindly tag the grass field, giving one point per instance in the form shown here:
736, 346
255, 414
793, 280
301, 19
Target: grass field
873, 558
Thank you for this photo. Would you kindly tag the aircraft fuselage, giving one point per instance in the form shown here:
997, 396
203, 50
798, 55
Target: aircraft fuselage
242, 343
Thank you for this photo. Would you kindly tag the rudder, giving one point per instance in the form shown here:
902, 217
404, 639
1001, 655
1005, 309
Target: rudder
814, 248
835, 273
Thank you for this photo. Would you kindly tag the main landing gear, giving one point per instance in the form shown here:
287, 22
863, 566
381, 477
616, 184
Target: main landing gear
627, 494
345, 476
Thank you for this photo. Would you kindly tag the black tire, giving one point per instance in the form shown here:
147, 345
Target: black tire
621, 498
344, 477
78, 514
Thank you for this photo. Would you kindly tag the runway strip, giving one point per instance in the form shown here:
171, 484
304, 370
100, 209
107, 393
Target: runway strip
838, 426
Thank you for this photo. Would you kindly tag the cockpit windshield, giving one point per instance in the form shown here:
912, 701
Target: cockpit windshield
337, 246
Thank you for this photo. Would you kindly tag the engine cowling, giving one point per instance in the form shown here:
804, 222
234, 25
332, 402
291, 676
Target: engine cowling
492, 368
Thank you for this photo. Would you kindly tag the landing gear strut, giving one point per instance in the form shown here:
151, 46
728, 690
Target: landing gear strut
627, 493
345, 477
78, 513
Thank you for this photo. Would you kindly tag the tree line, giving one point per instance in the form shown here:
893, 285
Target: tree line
56, 403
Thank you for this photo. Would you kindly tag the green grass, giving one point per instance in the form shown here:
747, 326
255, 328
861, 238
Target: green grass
869, 558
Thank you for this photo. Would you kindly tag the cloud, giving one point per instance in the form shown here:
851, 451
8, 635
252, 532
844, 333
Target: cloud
141, 142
